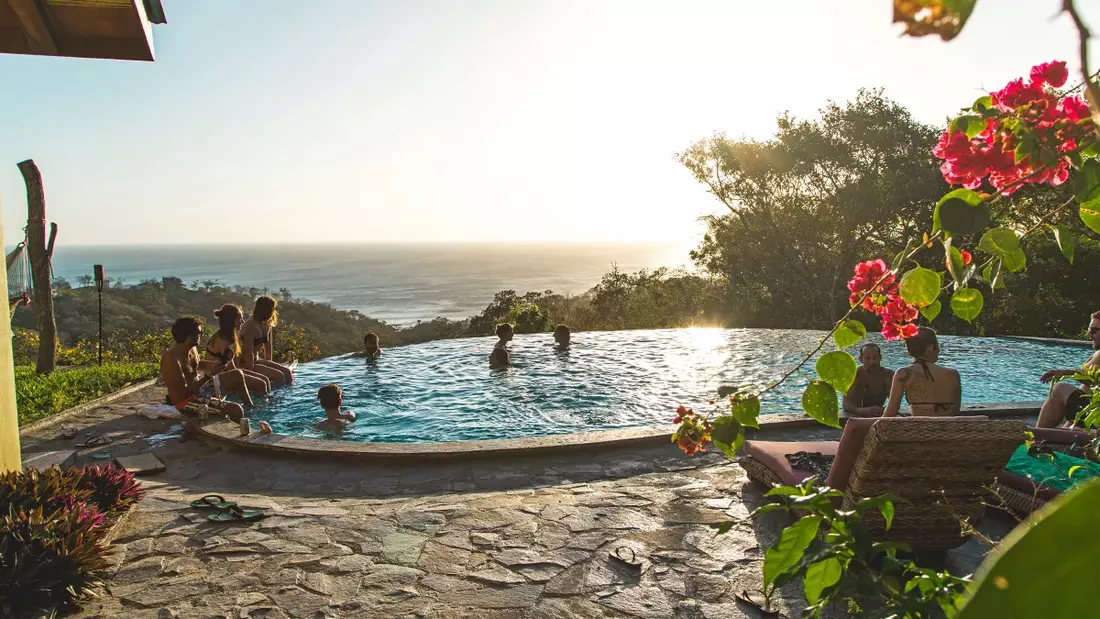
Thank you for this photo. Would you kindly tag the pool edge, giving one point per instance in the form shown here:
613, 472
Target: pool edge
228, 433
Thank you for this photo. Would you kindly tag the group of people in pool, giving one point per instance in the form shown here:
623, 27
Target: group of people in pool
934, 390
237, 359
500, 358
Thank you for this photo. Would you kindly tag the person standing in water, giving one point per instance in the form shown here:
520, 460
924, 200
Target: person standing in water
562, 337
932, 390
371, 349
868, 393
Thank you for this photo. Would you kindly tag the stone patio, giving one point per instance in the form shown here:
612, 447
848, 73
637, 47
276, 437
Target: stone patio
487, 539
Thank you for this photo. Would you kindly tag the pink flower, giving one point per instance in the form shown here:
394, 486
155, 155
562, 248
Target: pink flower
1074, 108
1053, 73
908, 331
891, 332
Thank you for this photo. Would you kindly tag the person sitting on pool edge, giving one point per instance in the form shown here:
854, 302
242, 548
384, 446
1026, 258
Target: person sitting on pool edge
562, 337
179, 369
868, 393
505, 332
1066, 401
330, 398
932, 390
371, 350
498, 359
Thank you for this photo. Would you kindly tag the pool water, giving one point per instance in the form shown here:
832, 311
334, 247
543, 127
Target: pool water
445, 391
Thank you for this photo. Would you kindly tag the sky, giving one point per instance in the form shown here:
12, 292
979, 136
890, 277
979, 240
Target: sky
274, 121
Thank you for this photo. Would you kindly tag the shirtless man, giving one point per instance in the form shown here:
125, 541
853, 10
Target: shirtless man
179, 368
1065, 400
932, 390
868, 393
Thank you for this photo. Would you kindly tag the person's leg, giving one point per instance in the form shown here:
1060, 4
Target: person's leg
1053, 413
284, 371
273, 373
233, 381
257, 382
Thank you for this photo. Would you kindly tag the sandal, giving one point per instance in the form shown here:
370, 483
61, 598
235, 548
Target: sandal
94, 440
625, 555
235, 513
69, 433
215, 501
763, 605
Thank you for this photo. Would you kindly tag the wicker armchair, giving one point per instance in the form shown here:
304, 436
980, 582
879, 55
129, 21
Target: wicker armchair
940, 467
1021, 495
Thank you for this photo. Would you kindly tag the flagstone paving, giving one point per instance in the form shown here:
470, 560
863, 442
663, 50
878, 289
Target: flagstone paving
489, 539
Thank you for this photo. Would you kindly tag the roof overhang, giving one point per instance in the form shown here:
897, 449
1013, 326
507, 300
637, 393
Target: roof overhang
113, 29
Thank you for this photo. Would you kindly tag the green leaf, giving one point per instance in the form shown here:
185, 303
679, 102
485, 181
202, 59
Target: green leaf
1073, 469
1065, 241
820, 576
1086, 187
787, 552
723, 527
967, 303
969, 124
1015, 260
992, 275
982, 103
961, 212
784, 491
930, 312
768, 508
999, 241
954, 262
1091, 217
1043, 569
727, 434
819, 402
746, 412
849, 333
920, 287
837, 368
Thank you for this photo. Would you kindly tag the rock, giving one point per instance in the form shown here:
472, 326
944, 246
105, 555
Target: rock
589, 541
402, 548
678, 513
159, 595
141, 464
310, 535
497, 576
262, 612
519, 596
429, 522
166, 613
460, 539
710, 587
673, 582
139, 571
568, 582
318, 583
488, 519
249, 537
250, 599
316, 511
484, 539
718, 503
299, 603
370, 547
565, 608
440, 559
347, 563
387, 575
285, 547
585, 519
644, 602
540, 572
446, 584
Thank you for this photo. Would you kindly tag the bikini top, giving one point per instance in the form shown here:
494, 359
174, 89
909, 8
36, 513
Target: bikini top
936, 406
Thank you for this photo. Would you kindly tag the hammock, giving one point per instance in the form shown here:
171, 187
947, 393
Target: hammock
19, 278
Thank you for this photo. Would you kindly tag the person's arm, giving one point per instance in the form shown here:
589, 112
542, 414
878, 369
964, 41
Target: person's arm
347, 416
957, 394
270, 340
1052, 374
175, 380
897, 389
248, 351
851, 399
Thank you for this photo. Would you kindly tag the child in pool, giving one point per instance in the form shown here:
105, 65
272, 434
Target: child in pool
371, 350
330, 398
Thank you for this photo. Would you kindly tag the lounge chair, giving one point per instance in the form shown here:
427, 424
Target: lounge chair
941, 467
1022, 495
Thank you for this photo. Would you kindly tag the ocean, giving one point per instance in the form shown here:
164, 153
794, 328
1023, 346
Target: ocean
398, 283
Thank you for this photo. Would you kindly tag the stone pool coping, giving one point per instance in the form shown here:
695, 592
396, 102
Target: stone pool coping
228, 433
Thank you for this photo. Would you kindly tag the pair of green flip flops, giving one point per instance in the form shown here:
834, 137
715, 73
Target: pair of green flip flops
228, 511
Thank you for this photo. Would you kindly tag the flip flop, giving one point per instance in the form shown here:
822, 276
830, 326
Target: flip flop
215, 501
94, 440
625, 555
69, 433
764, 607
235, 513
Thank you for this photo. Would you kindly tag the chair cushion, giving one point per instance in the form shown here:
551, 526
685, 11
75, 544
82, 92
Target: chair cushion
773, 454
851, 443
1063, 436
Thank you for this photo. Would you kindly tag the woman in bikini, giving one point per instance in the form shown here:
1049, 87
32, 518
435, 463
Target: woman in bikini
931, 390
225, 347
256, 339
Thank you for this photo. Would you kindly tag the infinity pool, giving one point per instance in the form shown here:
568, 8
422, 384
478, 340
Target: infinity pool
445, 391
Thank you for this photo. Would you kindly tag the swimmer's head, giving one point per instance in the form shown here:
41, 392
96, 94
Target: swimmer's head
330, 397
562, 335
505, 332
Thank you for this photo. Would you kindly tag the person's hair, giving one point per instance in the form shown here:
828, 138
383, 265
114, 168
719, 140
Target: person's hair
227, 324
185, 327
504, 328
329, 396
1095, 315
869, 344
266, 311
499, 356
561, 329
370, 337
925, 337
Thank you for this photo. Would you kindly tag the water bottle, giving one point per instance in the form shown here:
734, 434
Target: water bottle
245, 430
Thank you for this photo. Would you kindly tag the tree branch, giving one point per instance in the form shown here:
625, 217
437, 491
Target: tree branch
1092, 91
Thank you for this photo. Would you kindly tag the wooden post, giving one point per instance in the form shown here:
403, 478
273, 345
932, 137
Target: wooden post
10, 455
40, 266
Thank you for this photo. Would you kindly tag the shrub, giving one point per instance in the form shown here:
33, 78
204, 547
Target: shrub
49, 558
51, 490
41, 395
110, 488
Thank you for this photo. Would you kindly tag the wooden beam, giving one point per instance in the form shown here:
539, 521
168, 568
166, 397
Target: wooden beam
40, 266
10, 455
35, 26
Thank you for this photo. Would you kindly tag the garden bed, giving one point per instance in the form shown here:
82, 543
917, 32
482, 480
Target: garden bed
39, 396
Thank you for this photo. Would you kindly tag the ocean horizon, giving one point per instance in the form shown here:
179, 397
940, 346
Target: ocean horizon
399, 283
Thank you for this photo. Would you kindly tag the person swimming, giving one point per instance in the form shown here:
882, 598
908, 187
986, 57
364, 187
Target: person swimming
505, 333
330, 397
371, 349
499, 358
932, 390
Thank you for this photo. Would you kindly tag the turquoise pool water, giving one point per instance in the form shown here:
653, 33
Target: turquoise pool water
445, 391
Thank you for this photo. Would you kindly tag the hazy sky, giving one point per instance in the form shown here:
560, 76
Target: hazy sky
273, 120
